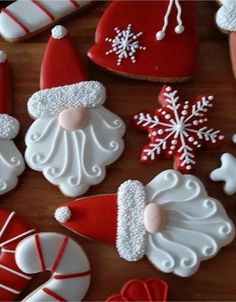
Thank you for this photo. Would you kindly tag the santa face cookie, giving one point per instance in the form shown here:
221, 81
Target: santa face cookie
177, 129
11, 161
13, 229
150, 40
171, 220
66, 261
141, 290
22, 19
74, 137
226, 21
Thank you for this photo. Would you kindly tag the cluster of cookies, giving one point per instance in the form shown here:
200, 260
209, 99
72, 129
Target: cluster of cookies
171, 220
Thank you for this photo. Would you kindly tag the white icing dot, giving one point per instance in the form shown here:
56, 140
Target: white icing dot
168, 88
174, 142
172, 148
144, 158
154, 133
62, 214
179, 29
188, 167
221, 137
3, 56
170, 152
195, 123
168, 116
211, 97
191, 139
163, 112
59, 32
160, 131
195, 143
136, 117
160, 35
184, 112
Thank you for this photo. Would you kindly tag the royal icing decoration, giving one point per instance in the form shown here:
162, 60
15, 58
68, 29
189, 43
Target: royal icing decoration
11, 161
177, 129
150, 40
226, 15
13, 229
142, 290
125, 44
74, 136
22, 18
66, 261
194, 225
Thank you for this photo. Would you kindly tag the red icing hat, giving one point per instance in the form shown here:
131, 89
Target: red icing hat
151, 40
142, 290
62, 63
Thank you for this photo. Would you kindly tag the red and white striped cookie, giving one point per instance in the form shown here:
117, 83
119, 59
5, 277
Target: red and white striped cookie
21, 19
66, 261
13, 229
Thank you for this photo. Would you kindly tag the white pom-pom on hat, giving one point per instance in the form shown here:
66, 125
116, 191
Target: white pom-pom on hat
62, 214
59, 32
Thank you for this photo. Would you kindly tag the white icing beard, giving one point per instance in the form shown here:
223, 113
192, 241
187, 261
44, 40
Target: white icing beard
196, 225
11, 165
75, 160
226, 16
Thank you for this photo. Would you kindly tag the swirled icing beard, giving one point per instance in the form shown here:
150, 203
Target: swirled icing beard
74, 160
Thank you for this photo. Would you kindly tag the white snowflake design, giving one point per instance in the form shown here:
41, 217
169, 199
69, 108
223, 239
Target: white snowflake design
177, 129
125, 44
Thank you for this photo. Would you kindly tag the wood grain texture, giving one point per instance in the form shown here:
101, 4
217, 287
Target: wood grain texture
36, 199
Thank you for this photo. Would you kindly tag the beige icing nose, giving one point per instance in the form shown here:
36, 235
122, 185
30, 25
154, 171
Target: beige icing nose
153, 218
73, 119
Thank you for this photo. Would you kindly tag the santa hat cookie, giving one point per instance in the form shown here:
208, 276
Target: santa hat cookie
22, 19
171, 220
177, 129
74, 137
226, 21
11, 161
13, 229
150, 40
141, 290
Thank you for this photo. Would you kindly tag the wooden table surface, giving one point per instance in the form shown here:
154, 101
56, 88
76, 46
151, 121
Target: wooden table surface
36, 199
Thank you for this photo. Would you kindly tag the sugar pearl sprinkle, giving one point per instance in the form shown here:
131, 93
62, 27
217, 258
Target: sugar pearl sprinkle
9, 127
131, 234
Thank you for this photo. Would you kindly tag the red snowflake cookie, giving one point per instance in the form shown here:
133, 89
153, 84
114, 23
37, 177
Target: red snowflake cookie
177, 129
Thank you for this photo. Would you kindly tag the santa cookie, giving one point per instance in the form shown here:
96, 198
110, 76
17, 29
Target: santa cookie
226, 21
74, 136
23, 19
11, 161
150, 40
13, 229
142, 290
171, 220
177, 129
64, 258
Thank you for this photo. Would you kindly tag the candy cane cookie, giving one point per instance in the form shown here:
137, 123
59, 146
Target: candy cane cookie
66, 261
13, 229
22, 19
11, 161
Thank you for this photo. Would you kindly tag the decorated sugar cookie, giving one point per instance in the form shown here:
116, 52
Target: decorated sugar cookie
172, 221
226, 21
11, 161
177, 129
13, 229
66, 261
142, 290
150, 40
74, 137
22, 19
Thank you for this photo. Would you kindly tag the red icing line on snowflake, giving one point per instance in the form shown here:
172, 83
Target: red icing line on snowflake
177, 129
14, 18
43, 9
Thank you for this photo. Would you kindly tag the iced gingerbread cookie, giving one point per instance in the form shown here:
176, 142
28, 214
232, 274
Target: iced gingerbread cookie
11, 161
23, 19
149, 40
13, 229
171, 220
177, 129
142, 290
66, 261
74, 136
226, 21
227, 172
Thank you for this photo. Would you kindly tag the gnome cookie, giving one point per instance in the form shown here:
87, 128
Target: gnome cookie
149, 40
171, 220
74, 137
11, 161
23, 19
226, 21
177, 129
142, 290
13, 229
